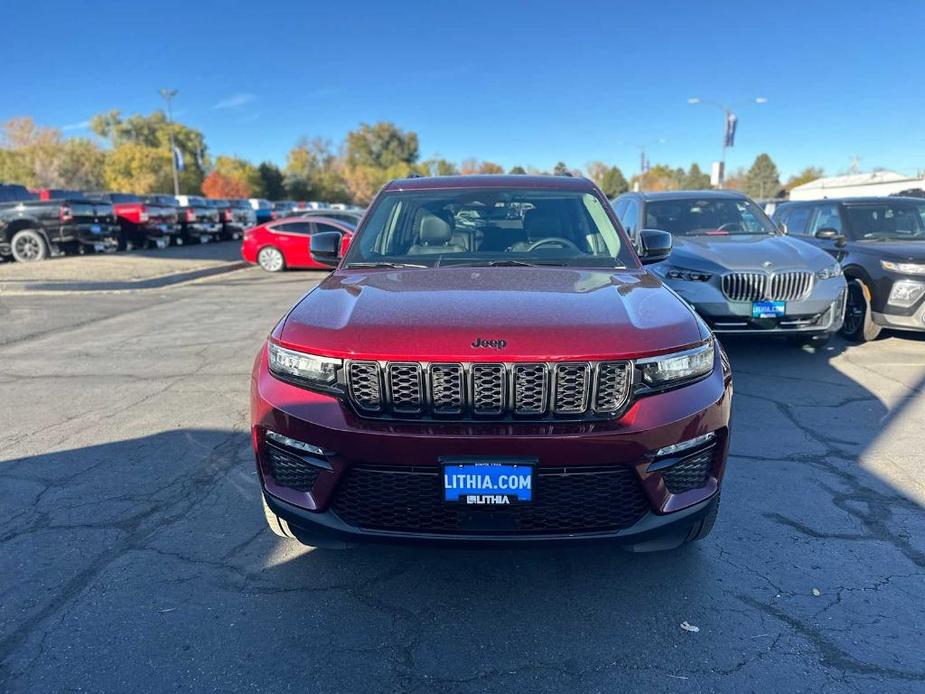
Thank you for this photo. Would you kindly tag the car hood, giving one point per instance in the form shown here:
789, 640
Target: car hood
539, 313
898, 251
744, 252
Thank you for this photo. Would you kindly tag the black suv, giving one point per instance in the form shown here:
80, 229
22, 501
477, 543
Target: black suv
880, 243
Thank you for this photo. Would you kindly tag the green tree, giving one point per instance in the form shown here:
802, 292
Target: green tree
439, 167
613, 182
489, 167
314, 172
657, 178
560, 169
518, 170
381, 146
695, 179
154, 132
762, 179
271, 181
38, 156
82, 164
810, 173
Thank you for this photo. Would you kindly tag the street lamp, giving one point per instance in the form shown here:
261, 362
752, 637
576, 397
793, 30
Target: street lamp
643, 161
729, 123
168, 95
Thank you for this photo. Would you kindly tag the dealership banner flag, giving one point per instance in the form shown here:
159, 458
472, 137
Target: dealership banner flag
178, 158
731, 129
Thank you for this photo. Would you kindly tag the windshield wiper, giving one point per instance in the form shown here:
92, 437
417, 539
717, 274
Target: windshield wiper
509, 263
383, 264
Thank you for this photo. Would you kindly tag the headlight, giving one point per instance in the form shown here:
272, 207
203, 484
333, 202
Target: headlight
905, 293
903, 268
310, 368
827, 273
676, 368
680, 273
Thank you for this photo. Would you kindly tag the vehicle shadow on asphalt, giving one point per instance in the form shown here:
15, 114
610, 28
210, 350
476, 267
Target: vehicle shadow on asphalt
160, 544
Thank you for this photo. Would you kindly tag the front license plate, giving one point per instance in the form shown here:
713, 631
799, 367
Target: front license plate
768, 309
488, 483
95, 228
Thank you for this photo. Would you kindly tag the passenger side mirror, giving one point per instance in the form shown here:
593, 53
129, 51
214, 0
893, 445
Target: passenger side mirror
654, 246
830, 234
325, 247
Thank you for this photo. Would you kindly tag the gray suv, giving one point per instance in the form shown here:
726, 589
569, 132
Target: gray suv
736, 268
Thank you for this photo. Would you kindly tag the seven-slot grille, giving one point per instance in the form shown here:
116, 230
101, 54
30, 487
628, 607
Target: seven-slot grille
760, 286
530, 389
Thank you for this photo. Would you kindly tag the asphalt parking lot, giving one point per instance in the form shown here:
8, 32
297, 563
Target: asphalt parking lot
134, 554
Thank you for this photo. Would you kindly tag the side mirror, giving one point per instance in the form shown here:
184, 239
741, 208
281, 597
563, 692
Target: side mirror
325, 247
830, 234
654, 246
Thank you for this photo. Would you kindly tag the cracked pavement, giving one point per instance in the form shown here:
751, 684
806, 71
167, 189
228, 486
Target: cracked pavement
134, 554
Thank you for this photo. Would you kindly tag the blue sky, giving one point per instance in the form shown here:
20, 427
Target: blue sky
512, 82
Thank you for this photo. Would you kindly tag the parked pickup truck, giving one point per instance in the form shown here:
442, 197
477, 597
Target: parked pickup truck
32, 229
245, 217
198, 220
234, 219
141, 223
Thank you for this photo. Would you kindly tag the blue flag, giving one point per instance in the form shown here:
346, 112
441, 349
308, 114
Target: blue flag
178, 158
731, 129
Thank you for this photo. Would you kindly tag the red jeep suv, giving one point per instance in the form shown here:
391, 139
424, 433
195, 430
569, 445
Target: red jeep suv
491, 363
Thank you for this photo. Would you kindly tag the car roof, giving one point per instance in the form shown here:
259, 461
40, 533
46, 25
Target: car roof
854, 201
313, 218
490, 181
688, 194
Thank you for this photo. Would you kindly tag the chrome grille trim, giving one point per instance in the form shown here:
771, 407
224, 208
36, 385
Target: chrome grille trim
532, 390
760, 286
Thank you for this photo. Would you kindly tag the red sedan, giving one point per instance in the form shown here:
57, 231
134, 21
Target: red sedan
285, 243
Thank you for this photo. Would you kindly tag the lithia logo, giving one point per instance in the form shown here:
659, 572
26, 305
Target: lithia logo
481, 342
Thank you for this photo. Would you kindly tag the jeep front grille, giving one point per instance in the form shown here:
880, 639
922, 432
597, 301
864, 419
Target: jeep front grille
760, 286
409, 390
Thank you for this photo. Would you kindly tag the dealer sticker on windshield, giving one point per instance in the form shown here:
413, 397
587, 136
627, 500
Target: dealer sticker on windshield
488, 483
768, 309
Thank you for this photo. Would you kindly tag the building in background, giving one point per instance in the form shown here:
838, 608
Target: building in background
854, 185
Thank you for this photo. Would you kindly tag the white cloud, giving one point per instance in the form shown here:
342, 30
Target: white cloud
235, 101
82, 125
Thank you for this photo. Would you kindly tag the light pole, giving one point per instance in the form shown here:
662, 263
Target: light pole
729, 124
168, 95
643, 161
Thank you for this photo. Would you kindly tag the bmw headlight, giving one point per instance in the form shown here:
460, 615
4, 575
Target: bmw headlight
677, 368
903, 268
671, 272
309, 369
829, 272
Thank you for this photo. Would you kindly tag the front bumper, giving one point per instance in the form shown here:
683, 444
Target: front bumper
352, 444
822, 312
916, 321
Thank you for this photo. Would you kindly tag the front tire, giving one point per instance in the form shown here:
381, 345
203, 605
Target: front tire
28, 246
271, 259
701, 528
859, 325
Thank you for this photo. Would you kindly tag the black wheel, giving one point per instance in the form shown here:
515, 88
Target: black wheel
859, 325
700, 529
271, 260
278, 526
28, 246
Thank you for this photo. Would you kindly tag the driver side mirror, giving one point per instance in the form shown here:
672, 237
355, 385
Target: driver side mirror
830, 234
654, 246
325, 247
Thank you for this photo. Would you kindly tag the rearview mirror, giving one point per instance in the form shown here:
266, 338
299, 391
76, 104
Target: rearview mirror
325, 247
654, 246
830, 234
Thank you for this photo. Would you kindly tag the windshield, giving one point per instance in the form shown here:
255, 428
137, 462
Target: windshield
489, 227
708, 217
886, 221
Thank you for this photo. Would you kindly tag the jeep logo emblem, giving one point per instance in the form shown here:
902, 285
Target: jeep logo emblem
481, 342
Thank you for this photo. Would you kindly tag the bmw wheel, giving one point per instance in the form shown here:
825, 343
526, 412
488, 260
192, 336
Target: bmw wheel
859, 324
271, 260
